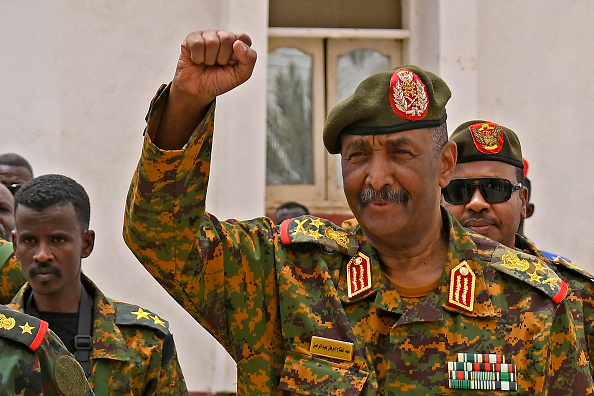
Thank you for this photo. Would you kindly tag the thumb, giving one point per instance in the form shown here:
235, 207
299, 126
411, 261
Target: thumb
246, 58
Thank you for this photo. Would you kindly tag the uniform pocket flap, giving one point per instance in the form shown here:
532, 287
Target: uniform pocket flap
310, 375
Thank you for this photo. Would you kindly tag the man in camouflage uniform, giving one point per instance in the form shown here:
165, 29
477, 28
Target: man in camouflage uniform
123, 348
409, 301
33, 361
11, 276
500, 164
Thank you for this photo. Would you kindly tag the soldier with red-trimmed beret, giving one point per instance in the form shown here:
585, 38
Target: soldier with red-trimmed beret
406, 300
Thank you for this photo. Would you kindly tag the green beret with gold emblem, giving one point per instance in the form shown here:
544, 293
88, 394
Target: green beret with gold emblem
401, 99
480, 140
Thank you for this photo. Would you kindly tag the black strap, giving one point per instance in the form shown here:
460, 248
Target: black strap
83, 341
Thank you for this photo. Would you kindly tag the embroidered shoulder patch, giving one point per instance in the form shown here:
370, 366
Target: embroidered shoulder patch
487, 137
531, 270
408, 95
129, 314
311, 229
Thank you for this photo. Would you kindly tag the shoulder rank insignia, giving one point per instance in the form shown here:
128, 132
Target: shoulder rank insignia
568, 265
408, 95
530, 270
22, 328
358, 275
129, 314
487, 137
315, 230
462, 285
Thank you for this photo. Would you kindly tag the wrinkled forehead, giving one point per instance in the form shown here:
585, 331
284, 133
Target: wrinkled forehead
476, 169
414, 137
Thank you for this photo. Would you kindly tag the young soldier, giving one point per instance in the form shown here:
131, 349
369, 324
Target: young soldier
405, 303
487, 195
123, 348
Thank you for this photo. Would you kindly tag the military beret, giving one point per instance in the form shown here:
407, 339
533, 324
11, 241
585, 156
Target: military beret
400, 99
479, 140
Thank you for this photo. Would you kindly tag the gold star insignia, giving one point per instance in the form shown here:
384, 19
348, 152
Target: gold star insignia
315, 234
141, 314
535, 277
26, 328
317, 222
158, 321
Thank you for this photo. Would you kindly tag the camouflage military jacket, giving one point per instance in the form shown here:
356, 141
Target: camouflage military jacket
11, 276
33, 361
306, 308
580, 298
133, 350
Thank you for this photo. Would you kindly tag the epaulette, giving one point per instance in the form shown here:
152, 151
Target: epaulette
531, 270
568, 265
311, 229
22, 328
133, 315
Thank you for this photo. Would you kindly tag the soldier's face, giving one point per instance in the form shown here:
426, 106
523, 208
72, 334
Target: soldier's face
6, 213
392, 182
50, 245
498, 221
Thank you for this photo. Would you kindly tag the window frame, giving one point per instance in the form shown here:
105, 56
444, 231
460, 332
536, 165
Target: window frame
326, 45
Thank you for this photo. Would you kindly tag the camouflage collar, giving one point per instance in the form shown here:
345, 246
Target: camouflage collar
461, 247
108, 340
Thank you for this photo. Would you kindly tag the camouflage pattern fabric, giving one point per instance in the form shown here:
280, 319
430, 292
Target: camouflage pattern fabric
581, 292
133, 350
34, 362
11, 277
264, 301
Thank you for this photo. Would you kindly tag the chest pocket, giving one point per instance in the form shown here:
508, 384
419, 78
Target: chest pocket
309, 375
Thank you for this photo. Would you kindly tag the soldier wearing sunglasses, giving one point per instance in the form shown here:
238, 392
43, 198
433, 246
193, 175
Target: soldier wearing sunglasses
487, 194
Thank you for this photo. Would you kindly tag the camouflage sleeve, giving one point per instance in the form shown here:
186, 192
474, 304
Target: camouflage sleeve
171, 379
11, 279
222, 273
567, 365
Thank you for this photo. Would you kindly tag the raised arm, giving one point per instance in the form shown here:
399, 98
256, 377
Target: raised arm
211, 63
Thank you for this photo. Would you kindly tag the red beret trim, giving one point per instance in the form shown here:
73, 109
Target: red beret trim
562, 293
284, 231
40, 334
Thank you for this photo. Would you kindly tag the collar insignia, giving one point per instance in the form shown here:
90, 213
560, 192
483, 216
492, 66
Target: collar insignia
358, 275
408, 95
462, 282
487, 136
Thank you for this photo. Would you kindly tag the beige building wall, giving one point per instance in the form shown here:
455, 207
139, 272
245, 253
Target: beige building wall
76, 79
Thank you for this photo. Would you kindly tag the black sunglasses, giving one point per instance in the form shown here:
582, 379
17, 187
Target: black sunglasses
14, 187
493, 189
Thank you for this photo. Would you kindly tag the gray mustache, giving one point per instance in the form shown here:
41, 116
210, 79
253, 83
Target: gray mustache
384, 194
